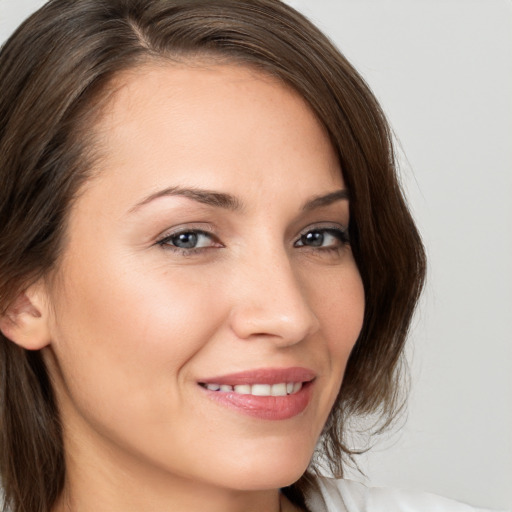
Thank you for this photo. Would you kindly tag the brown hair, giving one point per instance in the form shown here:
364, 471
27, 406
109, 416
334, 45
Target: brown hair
56, 68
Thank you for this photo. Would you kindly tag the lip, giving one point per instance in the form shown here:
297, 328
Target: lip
272, 408
263, 376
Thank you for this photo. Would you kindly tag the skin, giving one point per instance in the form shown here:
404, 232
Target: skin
133, 325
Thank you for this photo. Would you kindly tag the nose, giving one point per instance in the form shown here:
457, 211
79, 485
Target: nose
271, 302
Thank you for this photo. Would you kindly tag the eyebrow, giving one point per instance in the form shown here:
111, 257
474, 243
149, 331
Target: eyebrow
230, 202
209, 197
326, 200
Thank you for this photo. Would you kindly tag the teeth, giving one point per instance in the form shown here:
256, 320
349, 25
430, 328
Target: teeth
280, 389
261, 389
242, 389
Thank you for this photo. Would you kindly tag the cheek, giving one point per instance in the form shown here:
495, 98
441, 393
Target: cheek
339, 305
338, 300
128, 337
129, 308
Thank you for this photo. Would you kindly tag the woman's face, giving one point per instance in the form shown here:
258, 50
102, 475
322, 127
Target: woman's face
210, 249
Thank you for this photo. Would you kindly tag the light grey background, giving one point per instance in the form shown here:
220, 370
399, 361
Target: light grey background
442, 70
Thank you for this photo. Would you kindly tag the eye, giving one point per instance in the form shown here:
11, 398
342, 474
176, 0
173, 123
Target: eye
323, 238
189, 240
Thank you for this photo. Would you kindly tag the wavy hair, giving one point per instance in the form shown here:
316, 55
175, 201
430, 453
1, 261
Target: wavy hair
55, 72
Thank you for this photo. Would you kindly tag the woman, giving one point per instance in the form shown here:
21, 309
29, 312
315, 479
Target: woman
206, 262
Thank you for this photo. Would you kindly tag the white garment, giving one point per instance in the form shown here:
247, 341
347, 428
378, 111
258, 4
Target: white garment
350, 496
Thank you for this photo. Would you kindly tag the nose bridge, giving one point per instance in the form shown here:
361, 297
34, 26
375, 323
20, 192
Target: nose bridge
271, 299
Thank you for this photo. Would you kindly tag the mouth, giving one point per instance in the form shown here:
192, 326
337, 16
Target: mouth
271, 394
279, 389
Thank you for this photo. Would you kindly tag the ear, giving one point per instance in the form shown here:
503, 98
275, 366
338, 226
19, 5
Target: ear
26, 321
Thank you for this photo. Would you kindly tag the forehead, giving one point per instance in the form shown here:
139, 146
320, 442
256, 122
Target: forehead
196, 121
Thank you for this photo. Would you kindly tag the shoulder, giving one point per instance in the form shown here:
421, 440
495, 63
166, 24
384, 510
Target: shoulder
348, 496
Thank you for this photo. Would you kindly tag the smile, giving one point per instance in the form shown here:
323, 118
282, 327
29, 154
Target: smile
279, 389
264, 393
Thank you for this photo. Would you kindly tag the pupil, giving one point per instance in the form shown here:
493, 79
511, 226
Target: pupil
186, 240
314, 238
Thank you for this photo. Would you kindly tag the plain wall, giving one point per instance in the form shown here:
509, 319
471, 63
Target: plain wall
442, 70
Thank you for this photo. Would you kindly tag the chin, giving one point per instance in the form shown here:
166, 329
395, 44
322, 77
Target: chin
274, 470
254, 481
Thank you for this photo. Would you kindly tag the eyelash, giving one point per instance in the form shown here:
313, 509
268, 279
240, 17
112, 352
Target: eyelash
337, 232
341, 234
165, 242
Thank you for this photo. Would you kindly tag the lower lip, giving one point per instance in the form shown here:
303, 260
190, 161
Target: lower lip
265, 407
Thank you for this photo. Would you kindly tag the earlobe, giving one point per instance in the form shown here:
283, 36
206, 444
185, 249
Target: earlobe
26, 320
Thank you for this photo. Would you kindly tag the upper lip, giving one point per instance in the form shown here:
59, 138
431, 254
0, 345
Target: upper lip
263, 376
